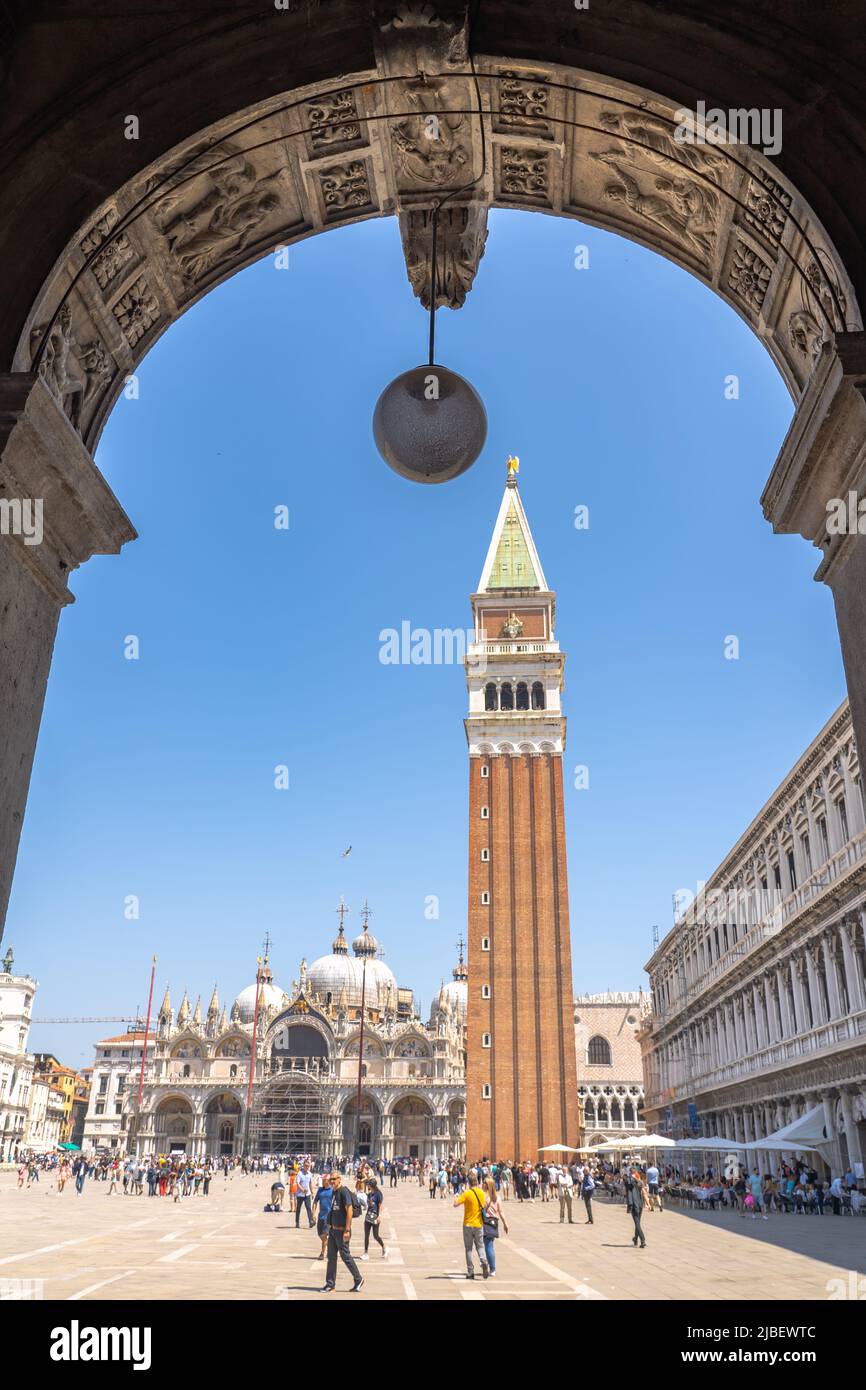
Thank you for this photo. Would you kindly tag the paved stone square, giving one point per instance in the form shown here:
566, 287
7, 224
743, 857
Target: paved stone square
225, 1245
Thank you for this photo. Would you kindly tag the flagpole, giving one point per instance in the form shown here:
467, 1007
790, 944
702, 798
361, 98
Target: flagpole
144, 1046
253, 1053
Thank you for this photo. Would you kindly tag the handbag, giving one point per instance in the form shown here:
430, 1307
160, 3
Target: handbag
489, 1225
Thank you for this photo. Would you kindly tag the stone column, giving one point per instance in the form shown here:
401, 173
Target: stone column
855, 1151
836, 1010
852, 937
45, 471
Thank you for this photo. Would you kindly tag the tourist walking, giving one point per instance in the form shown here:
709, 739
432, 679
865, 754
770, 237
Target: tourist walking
565, 1191
473, 1202
303, 1196
492, 1219
653, 1186
323, 1198
587, 1189
634, 1204
373, 1218
339, 1235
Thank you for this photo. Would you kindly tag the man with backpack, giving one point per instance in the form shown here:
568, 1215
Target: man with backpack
344, 1206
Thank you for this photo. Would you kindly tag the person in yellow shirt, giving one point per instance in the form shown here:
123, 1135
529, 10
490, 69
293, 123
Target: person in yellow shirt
473, 1202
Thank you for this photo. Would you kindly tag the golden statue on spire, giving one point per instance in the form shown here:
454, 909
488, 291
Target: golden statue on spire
513, 464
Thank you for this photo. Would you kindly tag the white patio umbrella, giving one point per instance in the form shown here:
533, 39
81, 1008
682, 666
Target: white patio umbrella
558, 1149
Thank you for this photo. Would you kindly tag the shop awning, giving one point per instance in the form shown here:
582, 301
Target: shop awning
808, 1132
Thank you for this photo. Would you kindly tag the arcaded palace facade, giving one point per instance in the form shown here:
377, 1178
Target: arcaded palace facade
303, 1046
759, 991
610, 1086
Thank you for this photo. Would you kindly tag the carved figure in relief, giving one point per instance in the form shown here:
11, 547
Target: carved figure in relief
218, 225
71, 371
428, 149
655, 140
685, 209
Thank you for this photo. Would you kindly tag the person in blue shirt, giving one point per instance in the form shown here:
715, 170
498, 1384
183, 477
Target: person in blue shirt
323, 1199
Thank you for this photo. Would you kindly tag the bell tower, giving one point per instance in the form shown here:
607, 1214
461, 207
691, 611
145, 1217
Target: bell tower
521, 1075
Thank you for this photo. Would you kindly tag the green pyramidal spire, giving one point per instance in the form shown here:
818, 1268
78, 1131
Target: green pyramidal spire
512, 565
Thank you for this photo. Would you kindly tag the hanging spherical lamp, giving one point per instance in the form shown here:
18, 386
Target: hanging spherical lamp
430, 424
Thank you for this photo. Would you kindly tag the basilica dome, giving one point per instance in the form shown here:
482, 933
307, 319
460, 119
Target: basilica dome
331, 975
456, 991
272, 997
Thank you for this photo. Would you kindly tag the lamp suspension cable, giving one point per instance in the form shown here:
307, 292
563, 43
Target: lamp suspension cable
462, 189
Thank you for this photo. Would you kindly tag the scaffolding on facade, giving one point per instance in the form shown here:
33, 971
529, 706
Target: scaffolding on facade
290, 1113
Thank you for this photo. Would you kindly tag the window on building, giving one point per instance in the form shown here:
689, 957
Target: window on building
522, 695
807, 852
598, 1052
485, 1039
485, 771
825, 842
490, 696
842, 811
485, 991
777, 876
485, 1090
792, 870
485, 943
506, 696
100, 1107
118, 1107
485, 856
485, 899
121, 1083
485, 813
537, 695
103, 1083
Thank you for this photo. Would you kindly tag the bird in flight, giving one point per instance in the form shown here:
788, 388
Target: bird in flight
346, 853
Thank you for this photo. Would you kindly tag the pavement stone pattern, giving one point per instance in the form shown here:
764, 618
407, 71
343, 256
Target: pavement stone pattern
225, 1246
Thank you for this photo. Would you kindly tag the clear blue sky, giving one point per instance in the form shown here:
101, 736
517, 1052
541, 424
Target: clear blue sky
258, 647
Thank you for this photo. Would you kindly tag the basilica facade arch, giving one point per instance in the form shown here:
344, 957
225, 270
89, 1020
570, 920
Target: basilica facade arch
307, 1069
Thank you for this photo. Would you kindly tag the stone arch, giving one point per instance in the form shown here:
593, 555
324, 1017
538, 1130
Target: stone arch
229, 193
218, 179
373, 1047
233, 1044
173, 1122
361, 1129
223, 1124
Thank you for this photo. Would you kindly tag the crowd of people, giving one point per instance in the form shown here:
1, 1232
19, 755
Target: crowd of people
331, 1193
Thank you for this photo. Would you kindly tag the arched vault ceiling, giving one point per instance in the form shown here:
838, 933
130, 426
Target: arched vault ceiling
258, 127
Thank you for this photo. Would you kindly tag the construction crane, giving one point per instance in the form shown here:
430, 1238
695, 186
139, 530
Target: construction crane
113, 1018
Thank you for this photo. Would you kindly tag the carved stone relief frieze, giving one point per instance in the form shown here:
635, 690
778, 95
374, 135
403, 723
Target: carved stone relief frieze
524, 174
217, 214
524, 104
72, 371
334, 122
345, 188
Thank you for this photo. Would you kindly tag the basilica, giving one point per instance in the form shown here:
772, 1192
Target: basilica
341, 1063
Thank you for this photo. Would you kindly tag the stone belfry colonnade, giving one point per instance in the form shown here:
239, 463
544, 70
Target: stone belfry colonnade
144, 168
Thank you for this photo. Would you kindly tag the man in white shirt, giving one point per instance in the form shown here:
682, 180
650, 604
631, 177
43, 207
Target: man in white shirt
304, 1194
565, 1189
